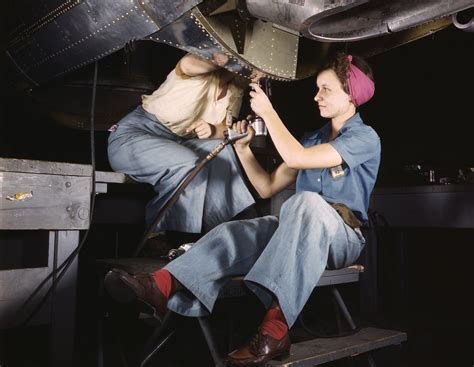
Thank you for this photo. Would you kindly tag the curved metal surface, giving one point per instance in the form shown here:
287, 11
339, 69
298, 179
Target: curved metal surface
295, 14
464, 20
55, 37
251, 47
352, 20
378, 45
76, 33
166, 12
378, 18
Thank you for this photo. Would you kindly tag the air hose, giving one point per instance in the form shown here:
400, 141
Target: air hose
172, 200
231, 136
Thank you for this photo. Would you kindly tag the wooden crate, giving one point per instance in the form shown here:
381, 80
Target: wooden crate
60, 195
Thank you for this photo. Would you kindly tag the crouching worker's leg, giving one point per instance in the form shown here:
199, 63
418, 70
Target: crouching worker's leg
230, 249
154, 289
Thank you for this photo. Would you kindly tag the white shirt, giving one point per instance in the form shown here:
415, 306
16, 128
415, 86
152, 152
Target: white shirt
181, 100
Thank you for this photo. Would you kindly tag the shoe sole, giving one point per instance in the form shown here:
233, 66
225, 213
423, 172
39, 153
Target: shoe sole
278, 356
283, 356
118, 289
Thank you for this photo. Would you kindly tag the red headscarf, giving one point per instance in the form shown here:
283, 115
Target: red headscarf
361, 87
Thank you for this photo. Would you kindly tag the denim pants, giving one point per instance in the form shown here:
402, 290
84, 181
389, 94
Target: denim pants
282, 258
146, 150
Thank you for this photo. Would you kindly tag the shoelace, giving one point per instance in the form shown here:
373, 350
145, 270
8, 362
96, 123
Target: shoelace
254, 343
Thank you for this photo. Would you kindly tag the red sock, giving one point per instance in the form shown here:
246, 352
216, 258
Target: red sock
163, 282
274, 323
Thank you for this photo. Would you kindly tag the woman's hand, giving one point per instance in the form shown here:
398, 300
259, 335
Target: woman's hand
241, 127
259, 101
201, 128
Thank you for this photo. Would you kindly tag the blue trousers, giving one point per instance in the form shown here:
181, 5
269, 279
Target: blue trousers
146, 150
282, 258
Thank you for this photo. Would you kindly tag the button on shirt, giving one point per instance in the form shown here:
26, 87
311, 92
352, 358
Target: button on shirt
359, 147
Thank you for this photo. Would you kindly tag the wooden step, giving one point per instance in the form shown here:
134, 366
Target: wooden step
234, 288
349, 274
142, 264
318, 351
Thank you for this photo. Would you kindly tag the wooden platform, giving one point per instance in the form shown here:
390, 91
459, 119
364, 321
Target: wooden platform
318, 351
234, 288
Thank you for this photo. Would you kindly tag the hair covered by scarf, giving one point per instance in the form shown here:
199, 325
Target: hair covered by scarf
361, 87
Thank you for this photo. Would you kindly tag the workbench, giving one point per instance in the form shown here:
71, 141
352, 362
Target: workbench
44, 204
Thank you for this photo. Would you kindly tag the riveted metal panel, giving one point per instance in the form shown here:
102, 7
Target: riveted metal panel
76, 35
254, 46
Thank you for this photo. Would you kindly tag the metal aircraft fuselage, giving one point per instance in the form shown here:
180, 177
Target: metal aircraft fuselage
281, 39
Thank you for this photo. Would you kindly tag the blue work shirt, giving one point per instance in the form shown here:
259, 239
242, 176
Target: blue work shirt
352, 182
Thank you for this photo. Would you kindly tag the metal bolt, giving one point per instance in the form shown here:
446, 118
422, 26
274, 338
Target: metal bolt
83, 213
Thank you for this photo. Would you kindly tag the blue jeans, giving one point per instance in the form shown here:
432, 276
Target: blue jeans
146, 150
282, 258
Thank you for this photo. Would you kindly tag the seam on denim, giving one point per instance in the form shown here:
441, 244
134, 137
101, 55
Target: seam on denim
195, 283
203, 298
285, 307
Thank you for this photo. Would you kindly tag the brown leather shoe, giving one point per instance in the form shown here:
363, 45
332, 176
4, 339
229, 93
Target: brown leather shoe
260, 349
126, 288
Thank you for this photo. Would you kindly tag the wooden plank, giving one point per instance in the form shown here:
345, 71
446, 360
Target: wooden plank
322, 350
61, 168
338, 279
56, 202
112, 177
63, 305
104, 178
52, 168
330, 277
100, 188
349, 274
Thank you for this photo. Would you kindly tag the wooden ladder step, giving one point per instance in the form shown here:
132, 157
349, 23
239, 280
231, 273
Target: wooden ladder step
234, 288
349, 274
318, 351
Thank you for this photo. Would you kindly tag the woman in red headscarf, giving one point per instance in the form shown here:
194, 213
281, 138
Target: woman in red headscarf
283, 258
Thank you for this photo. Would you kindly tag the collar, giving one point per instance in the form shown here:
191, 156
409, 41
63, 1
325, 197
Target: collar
324, 131
352, 122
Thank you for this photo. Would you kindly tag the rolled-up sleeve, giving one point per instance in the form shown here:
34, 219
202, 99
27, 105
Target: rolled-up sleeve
357, 146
